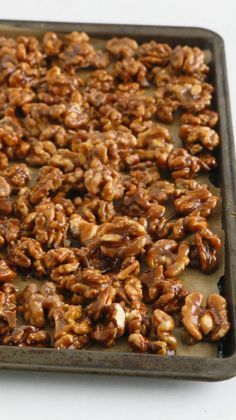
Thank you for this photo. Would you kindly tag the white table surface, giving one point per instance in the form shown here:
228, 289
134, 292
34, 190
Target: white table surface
48, 396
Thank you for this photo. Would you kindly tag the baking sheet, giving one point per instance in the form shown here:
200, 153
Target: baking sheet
193, 279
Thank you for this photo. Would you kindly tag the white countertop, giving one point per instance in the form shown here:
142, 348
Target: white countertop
49, 396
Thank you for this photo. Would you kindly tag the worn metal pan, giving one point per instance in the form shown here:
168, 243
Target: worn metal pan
123, 363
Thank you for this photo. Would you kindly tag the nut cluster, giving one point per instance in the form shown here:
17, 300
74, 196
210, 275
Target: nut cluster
84, 199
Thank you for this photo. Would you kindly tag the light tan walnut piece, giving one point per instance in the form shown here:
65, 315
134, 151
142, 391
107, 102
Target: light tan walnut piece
170, 254
137, 318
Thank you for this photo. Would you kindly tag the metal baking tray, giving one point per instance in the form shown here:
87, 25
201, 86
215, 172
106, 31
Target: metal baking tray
124, 363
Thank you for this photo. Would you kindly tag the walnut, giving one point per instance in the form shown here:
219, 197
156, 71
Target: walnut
155, 144
9, 230
122, 238
72, 330
199, 321
203, 255
48, 223
138, 320
25, 252
26, 336
200, 201
5, 188
51, 44
81, 229
167, 252
95, 210
7, 307
151, 281
86, 284
34, 302
130, 266
130, 69
154, 54
98, 307
164, 325
196, 138
171, 295
55, 133
183, 165
135, 105
50, 179
122, 47
205, 118
22, 204
3, 161
217, 307
161, 191
141, 344
61, 262
6, 274
77, 51
189, 60
105, 181
17, 175
113, 327
144, 174
40, 152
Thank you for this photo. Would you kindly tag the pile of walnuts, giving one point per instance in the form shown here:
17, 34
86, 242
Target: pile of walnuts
93, 227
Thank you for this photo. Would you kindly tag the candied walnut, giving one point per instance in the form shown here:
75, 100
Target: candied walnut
49, 180
217, 306
113, 326
199, 321
129, 289
197, 138
137, 318
25, 252
173, 256
135, 105
105, 181
48, 223
183, 165
189, 60
122, 47
135, 202
81, 229
9, 230
51, 44
28, 49
203, 255
77, 50
65, 160
161, 191
95, 210
40, 152
100, 81
130, 69
99, 60
61, 262
26, 336
164, 325
72, 181
141, 344
5, 188
171, 295
151, 281
72, 329
86, 284
200, 201
206, 118
99, 307
191, 312
6, 274
130, 266
3, 161
7, 307
144, 174
22, 204
154, 54
122, 238
34, 303
155, 144
55, 133
17, 175
165, 107
6, 206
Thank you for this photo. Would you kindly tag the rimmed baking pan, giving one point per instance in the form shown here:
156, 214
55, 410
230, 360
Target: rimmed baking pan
219, 367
